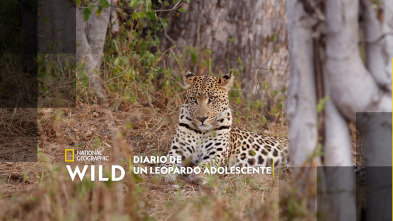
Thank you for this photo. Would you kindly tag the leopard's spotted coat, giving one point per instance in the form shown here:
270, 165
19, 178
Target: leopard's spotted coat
205, 135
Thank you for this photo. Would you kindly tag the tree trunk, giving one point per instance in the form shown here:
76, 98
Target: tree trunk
355, 88
379, 42
301, 100
350, 88
345, 68
249, 36
90, 36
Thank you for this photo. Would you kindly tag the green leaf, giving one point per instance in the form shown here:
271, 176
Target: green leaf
138, 15
151, 14
104, 3
263, 119
147, 5
273, 37
99, 10
321, 104
182, 10
271, 69
86, 14
134, 3
238, 100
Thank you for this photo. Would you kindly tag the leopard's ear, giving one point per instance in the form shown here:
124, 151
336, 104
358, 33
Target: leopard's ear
227, 81
188, 79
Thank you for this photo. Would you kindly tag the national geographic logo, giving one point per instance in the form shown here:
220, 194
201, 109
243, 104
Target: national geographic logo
69, 155
84, 155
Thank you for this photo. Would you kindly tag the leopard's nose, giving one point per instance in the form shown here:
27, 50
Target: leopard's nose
202, 119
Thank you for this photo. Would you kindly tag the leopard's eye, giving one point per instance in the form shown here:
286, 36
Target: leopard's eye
193, 99
212, 99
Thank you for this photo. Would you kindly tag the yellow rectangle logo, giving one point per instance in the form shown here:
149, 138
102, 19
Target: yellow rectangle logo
65, 154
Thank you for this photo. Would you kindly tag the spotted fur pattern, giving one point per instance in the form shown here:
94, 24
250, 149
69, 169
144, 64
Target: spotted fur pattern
205, 135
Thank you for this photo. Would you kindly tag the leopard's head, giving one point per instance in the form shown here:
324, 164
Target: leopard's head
206, 98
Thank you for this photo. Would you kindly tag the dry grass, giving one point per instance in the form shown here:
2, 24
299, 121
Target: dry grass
44, 189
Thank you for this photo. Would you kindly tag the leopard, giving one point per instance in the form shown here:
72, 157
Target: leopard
205, 135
